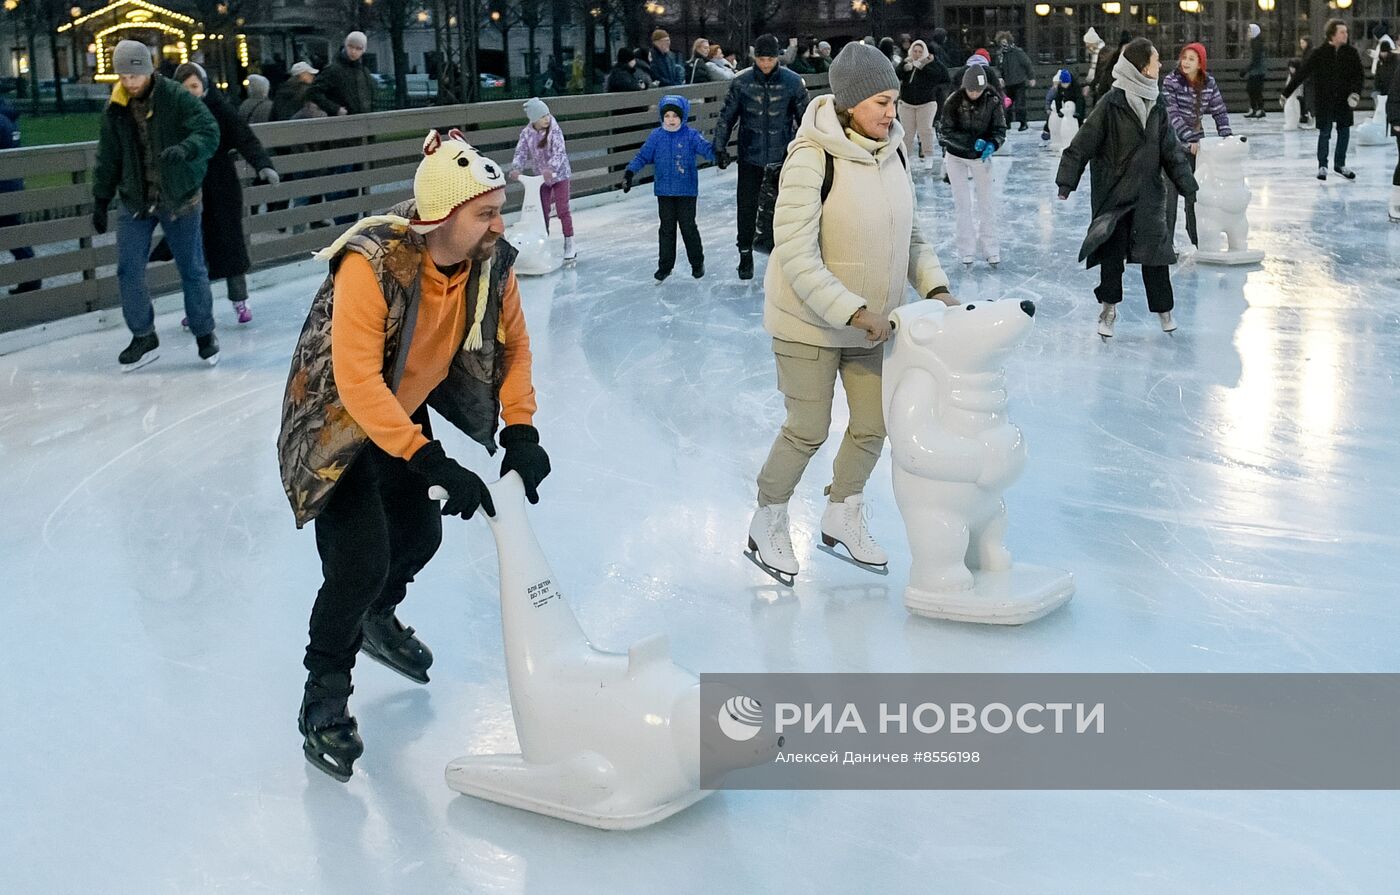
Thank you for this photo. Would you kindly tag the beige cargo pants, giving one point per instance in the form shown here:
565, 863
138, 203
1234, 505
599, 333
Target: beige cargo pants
807, 378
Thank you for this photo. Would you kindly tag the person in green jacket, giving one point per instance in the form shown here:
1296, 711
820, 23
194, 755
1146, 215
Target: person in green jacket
152, 154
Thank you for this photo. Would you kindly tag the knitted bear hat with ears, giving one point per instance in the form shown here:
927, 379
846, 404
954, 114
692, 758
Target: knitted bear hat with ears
451, 174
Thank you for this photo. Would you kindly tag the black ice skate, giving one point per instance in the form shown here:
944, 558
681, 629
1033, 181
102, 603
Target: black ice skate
389, 643
332, 737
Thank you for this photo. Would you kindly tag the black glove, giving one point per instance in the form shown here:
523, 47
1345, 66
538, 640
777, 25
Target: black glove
722, 157
99, 216
465, 489
525, 456
174, 154
627, 177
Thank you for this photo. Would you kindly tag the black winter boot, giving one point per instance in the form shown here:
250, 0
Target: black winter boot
746, 265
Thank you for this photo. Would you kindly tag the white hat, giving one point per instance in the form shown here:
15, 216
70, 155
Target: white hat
303, 68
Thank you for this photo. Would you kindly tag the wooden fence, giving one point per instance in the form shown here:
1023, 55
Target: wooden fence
372, 156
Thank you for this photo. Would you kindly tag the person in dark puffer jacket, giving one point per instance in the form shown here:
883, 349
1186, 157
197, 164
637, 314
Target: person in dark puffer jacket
1192, 94
923, 85
766, 102
972, 128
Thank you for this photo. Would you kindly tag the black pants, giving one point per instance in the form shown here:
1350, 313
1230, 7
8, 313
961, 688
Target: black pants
1255, 88
1017, 92
679, 210
379, 529
1114, 257
1324, 137
1395, 178
1172, 195
24, 253
750, 184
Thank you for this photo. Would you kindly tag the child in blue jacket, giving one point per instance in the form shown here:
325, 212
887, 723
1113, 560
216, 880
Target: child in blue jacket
673, 148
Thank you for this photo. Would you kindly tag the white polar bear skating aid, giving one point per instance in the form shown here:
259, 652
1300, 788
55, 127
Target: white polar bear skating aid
1062, 130
1292, 112
607, 740
1222, 226
539, 254
954, 453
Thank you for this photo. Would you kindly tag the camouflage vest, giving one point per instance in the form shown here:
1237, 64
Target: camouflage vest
319, 439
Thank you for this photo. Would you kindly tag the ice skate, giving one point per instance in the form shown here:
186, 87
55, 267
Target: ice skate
746, 265
1322, 173
1345, 172
332, 737
394, 646
1107, 315
697, 270
208, 348
843, 524
770, 543
244, 315
1168, 324
570, 251
967, 262
994, 262
140, 352
1394, 210
660, 276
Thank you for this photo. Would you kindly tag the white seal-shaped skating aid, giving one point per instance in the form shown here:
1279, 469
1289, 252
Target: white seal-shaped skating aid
954, 453
608, 740
538, 254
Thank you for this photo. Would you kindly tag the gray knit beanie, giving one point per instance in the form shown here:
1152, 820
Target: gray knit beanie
975, 78
535, 109
132, 57
859, 72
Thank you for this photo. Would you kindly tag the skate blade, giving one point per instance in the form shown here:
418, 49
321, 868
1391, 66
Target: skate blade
152, 356
882, 569
327, 765
421, 678
782, 578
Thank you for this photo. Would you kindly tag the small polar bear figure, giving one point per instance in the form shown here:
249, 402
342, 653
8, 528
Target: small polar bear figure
1222, 226
1063, 129
954, 450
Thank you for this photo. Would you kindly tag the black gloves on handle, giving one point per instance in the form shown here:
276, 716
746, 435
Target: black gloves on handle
465, 489
174, 154
99, 216
627, 177
525, 456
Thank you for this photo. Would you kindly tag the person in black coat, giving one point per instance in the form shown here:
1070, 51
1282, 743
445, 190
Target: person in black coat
766, 102
225, 246
623, 77
1129, 146
923, 85
1255, 72
1335, 68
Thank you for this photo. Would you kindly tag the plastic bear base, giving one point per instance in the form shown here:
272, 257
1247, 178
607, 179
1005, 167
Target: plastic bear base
1019, 595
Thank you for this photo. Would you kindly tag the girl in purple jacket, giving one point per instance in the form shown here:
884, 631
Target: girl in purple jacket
1191, 95
541, 149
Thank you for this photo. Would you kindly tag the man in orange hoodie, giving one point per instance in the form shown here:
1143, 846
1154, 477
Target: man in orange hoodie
420, 309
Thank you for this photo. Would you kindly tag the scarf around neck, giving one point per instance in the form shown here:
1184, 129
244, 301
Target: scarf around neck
1141, 90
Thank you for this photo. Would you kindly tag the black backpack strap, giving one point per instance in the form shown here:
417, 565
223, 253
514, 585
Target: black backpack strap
902, 160
829, 176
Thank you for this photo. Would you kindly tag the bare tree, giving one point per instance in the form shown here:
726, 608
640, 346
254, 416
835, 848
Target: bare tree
503, 15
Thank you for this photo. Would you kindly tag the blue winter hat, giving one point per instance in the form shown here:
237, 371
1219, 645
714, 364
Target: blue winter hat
1063, 76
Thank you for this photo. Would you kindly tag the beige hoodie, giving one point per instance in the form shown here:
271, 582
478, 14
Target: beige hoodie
856, 251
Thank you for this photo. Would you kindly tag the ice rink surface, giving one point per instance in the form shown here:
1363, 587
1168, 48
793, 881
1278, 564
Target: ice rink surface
1226, 498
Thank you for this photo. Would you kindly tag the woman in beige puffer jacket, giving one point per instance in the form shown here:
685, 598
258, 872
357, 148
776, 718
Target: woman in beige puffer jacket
837, 270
